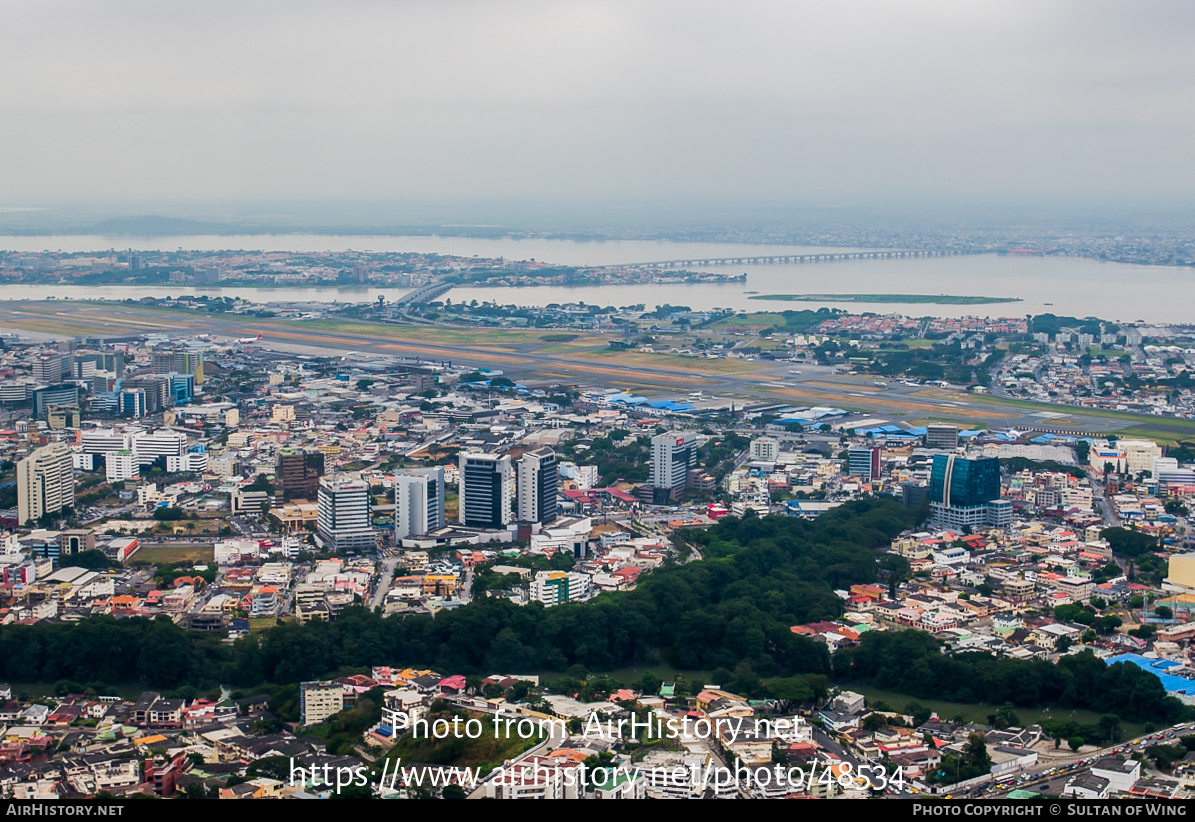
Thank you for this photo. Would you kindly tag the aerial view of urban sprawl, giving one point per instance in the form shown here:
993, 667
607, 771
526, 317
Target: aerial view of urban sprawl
565, 401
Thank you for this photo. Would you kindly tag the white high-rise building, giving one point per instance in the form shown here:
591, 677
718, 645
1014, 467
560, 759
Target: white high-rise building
105, 440
418, 501
319, 700
120, 466
672, 456
557, 587
342, 516
1139, 455
486, 490
538, 484
192, 461
765, 449
45, 482
48, 369
161, 443
16, 391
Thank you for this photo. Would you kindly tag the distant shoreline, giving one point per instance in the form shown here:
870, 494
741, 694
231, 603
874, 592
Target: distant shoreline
940, 299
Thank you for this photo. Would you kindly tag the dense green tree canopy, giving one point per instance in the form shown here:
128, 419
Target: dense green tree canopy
912, 662
731, 610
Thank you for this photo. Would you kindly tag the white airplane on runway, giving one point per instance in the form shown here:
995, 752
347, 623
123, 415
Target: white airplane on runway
248, 340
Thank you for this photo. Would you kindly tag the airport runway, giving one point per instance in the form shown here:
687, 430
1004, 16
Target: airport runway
526, 356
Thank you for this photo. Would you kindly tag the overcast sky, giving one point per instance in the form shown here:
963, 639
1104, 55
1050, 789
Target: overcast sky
788, 102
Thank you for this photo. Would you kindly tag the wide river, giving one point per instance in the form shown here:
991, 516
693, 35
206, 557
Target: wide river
1058, 285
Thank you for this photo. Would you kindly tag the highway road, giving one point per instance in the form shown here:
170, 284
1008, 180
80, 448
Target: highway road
1066, 767
384, 580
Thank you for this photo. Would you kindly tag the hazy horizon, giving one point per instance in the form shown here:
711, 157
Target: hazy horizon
626, 218
467, 110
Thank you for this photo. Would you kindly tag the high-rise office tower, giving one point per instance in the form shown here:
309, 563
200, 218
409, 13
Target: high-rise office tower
342, 516
48, 369
941, 435
486, 490
914, 494
156, 388
418, 501
537, 486
765, 449
864, 463
672, 456
966, 493
151, 447
84, 368
180, 362
132, 403
104, 440
297, 474
45, 482
44, 397
319, 700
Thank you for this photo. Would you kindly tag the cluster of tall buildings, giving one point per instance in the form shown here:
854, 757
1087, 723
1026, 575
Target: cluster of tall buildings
496, 491
343, 501
126, 452
493, 492
46, 481
60, 380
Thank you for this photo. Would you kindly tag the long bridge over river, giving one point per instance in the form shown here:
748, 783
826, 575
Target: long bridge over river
783, 259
